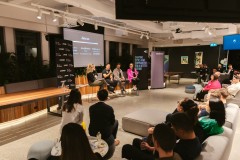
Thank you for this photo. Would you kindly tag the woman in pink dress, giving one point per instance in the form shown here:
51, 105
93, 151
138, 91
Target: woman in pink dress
212, 84
133, 76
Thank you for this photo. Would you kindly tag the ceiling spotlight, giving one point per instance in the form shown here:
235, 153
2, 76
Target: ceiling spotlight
39, 16
141, 37
210, 33
147, 35
79, 21
95, 26
54, 18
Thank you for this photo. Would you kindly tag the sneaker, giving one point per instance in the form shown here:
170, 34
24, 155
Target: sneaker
116, 142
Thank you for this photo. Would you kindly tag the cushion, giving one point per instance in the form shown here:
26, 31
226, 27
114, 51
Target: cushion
138, 122
232, 112
40, 150
211, 150
190, 89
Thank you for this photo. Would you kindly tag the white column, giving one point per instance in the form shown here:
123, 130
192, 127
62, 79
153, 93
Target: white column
131, 49
106, 51
9, 39
120, 49
45, 49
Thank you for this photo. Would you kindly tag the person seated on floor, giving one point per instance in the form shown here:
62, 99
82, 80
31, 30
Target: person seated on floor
212, 84
188, 146
92, 78
108, 76
75, 145
102, 119
133, 76
72, 111
234, 88
119, 77
212, 124
164, 140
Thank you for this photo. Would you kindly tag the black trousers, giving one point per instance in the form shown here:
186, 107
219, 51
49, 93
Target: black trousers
135, 81
112, 83
201, 95
134, 152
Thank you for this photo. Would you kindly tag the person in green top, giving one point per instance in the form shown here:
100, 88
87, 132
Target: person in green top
212, 124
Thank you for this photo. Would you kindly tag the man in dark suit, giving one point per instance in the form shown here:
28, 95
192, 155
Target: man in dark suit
102, 119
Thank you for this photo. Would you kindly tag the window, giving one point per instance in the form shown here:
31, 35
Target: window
126, 48
2, 47
28, 45
113, 50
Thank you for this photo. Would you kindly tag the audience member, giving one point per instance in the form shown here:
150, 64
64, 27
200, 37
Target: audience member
72, 111
212, 84
206, 70
102, 119
75, 145
92, 78
119, 77
108, 76
202, 107
189, 107
220, 68
230, 71
164, 141
212, 125
133, 76
202, 73
188, 146
224, 95
234, 88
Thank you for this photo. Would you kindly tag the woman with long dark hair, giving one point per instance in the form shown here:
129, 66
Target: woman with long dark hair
75, 144
72, 110
212, 124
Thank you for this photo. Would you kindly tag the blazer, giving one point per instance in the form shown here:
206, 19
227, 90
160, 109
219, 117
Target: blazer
130, 74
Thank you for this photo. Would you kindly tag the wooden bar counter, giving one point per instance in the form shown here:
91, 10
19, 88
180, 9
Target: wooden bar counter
20, 104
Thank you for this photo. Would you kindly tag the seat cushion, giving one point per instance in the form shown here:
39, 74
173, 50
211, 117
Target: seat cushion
138, 122
40, 150
232, 112
212, 150
190, 89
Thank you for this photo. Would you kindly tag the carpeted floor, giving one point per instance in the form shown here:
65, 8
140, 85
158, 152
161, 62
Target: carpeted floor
164, 99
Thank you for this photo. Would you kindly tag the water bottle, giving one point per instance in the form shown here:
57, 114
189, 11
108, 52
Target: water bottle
99, 136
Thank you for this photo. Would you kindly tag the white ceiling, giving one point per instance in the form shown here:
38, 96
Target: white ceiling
105, 10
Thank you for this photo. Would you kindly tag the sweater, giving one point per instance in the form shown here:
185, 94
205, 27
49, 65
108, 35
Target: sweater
210, 126
212, 85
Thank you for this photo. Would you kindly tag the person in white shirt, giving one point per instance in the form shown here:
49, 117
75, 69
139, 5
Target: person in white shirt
235, 86
72, 110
